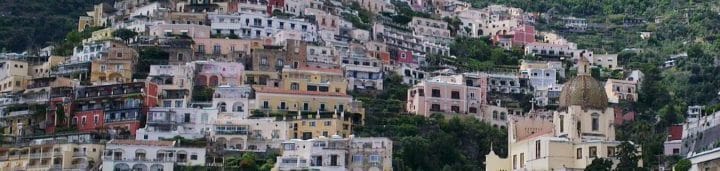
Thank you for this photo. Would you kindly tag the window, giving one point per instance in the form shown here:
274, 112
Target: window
266, 105
435, 107
193, 157
611, 151
312, 88
84, 120
358, 158
186, 119
294, 86
537, 149
579, 153
312, 124
593, 152
522, 160
514, 161
473, 110
263, 61
201, 48
145, 136
322, 107
328, 123
435, 93
674, 151
216, 49
96, 119
375, 158
306, 106
178, 103
595, 121
180, 56
455, 109
421, 92
562, 123
455, 95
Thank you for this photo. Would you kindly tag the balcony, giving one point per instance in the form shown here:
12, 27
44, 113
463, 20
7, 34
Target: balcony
154, 160
79, 154
40, 155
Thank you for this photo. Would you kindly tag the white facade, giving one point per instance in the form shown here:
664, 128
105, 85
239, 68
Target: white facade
322, 56
175, 83
256, 134
149, 155
336, 153
189, 123
411, 75
542, 75
251, 25
233, 101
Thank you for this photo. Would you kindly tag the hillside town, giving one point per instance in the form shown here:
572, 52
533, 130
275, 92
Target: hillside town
163, 85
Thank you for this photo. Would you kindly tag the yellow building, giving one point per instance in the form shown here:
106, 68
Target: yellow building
116, 67
581, 130
51, 154
13, 75
100, 35
314, 79
96, 17
311, 113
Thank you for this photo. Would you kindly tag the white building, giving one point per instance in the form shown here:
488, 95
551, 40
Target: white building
233, 101
336, 153
542, 75
166, 123
608, 61
252, 25
322, 56
256, 134
175, 83
149, 155
411, 75
362, 71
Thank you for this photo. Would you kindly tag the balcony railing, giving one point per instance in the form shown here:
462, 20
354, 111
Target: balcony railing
121, 120
156, 160
79, 154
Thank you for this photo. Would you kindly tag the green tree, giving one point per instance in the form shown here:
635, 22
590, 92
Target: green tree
628, 155
600, 164
682, 165
247, 161
124, 34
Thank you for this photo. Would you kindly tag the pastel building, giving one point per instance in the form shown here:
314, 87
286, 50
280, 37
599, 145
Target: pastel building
172, 30
336, 153
233, 101
228, 50
252, 25
175, 83
542, 75
70, 152
456, 94
580, 131
362, 72
117, 108
166, 123
150, 155
617, 90
213, 74
255, 135
434, 29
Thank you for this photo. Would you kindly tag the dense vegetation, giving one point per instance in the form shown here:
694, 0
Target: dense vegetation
26, 24
432, 143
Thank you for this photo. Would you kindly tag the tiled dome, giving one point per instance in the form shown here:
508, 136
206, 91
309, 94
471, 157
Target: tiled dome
583, 90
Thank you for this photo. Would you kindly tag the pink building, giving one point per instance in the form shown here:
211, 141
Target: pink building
219, 73
457, 94
405, 56
523, 35
226, 46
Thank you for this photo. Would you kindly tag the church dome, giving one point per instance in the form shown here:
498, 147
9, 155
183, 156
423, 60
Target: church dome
583, 90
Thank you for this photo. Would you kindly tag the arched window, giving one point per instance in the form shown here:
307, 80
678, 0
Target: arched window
495, 115
222, 106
